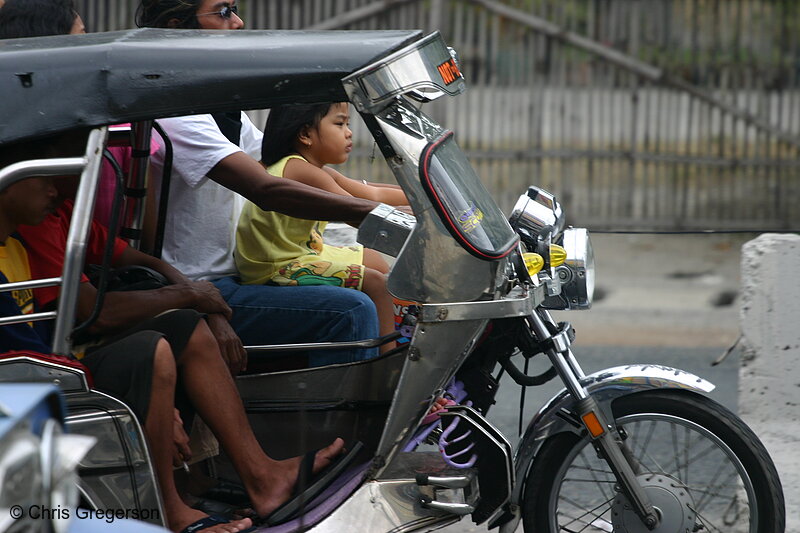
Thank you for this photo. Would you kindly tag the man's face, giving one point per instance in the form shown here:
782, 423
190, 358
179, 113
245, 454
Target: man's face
77, 26
210, 15
30, 201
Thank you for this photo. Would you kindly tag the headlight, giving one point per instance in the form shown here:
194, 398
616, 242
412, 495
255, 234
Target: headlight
537, 216
576, 274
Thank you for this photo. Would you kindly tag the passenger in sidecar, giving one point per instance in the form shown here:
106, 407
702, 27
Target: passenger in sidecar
140, 366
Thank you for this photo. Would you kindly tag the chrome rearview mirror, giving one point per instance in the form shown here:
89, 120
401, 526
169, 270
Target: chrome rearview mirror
537, 217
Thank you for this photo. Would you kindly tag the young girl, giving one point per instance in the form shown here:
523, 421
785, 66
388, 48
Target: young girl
299, 141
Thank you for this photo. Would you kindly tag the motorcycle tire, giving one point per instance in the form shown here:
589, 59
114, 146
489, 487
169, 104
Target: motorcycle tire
681, 439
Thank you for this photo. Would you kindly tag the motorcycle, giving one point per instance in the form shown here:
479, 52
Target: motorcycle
628, 449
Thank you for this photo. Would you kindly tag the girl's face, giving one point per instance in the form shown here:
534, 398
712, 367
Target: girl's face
331, 141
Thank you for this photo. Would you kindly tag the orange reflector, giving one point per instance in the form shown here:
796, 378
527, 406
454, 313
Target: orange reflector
592, 424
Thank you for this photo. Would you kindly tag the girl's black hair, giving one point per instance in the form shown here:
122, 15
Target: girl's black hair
36, 18
159, 13
284, 125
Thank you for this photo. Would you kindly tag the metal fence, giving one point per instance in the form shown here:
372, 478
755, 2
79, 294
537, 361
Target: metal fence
657, 114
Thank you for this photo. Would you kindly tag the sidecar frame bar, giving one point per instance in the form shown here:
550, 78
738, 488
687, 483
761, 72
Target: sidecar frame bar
508, 308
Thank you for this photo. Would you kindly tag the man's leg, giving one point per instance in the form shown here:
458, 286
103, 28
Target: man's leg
267, 314
141, 370
209, 385
159, 430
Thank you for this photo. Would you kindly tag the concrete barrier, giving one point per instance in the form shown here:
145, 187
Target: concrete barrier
769, 377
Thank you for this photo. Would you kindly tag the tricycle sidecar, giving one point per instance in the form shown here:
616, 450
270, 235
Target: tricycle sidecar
482, 284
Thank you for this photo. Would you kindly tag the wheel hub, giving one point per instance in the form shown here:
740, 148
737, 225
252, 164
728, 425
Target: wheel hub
671, 499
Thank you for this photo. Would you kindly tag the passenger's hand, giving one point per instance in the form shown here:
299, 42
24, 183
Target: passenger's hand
208, 299
230, 345
181, 451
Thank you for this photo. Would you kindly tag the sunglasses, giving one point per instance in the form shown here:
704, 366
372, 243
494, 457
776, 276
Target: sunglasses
226, 12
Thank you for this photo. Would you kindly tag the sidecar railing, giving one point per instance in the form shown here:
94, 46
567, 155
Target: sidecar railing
89, 167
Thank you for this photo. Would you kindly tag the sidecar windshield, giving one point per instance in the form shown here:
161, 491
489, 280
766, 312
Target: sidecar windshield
463, 203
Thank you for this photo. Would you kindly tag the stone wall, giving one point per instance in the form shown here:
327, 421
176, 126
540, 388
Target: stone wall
769, 379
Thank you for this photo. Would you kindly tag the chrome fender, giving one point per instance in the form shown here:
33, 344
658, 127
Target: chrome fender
605, 386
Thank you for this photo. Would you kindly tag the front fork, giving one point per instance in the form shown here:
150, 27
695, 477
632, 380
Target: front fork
604, 437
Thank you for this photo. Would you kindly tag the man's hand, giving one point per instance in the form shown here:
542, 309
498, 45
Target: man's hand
230, 345
181, 451
207, 299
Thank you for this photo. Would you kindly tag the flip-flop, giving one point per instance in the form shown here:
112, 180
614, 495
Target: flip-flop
434, 416
209, 521
309, 485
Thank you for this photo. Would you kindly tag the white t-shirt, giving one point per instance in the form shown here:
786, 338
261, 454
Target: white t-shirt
199, 236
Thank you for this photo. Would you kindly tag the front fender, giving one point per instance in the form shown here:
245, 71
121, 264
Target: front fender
605, 386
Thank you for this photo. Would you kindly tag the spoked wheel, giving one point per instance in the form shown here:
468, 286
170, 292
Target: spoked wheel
702, 467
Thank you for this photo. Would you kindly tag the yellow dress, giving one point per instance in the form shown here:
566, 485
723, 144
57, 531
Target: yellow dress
283, 250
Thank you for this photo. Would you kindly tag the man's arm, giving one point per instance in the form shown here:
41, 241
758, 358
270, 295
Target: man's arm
244, 175
230, 345
123, 309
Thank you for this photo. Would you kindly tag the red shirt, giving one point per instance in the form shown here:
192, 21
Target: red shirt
47, 243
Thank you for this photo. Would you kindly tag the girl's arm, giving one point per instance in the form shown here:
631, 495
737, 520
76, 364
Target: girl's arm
378, 192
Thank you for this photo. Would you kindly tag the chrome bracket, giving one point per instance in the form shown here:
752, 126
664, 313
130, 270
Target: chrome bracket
520, 306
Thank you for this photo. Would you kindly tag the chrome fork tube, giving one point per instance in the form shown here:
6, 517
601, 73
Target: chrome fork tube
610, 448
566, 372
568, 355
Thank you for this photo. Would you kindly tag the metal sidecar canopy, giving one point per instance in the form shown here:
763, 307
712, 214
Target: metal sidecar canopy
53, 84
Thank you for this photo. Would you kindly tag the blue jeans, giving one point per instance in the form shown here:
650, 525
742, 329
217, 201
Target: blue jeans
268, 314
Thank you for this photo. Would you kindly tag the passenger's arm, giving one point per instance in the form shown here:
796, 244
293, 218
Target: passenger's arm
230, 345
387, 194
244, 175
123, 309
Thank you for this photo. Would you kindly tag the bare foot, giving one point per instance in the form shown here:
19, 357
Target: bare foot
277, 483
189, 516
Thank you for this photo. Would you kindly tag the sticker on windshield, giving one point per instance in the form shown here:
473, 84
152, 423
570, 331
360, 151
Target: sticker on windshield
470, 219
449, 71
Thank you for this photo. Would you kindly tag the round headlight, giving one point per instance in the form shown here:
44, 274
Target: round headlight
537, 216
576, 274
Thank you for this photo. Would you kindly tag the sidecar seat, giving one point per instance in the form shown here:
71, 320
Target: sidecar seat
117, 472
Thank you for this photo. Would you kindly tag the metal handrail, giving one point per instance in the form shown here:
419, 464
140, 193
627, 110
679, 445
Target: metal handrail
89, 168
77, 239
33, 284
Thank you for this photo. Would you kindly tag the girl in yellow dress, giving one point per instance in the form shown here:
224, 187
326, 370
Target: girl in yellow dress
299, 141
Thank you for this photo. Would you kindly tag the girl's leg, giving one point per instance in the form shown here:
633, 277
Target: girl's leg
211, 389
374, 286
375, 260
158, 427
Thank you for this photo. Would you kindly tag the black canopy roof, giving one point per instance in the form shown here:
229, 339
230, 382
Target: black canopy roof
52, 84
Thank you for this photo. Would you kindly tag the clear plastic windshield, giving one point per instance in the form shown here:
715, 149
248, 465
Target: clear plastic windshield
464, 204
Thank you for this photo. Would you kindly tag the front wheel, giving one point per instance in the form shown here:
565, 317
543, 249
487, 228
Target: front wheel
700, 464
